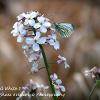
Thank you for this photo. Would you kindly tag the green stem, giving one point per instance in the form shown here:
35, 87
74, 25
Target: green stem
48, 71
89, 97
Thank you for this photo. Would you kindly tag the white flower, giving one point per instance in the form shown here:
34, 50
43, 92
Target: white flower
62, 60
56, 45
19, 39
43, 29
35, 46
53, 41
38, 34
18, 29
24, 47
34, 67
62, 88
53, 76
30, 22
21, 16
47, 24
34, 14
31, 88
37, 25
15, 32
34, 56
44, 24
41, 40
58, 81
29, 40
21, 29
41, 19
59, 88
28, 29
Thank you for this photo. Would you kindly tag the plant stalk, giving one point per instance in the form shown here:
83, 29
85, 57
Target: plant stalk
48, 72
89, 97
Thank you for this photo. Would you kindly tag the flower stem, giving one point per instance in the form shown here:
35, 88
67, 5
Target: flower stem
89, 97
48, 72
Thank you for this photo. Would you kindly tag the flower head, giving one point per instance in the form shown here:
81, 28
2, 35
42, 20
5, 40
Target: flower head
29, 30
59, 88
31, 88
62, 59
94, 73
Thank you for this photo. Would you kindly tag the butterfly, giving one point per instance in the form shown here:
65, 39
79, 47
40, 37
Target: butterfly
65, 29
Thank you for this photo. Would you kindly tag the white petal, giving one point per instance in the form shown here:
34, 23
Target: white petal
29, 40
54, 76
37, 25
47, 24
58, 93
15, 32
59, 61
21, 29
56, 45
21, 16
19, 39
53, 36
23, 32
51, 42
62, 88
41, 19
34, 67
31, 22
66, 65
62, 58
36, 47
41, 40
24, 47
43, 29
34, 14
58, 81
26, 22
15, 25
38, 34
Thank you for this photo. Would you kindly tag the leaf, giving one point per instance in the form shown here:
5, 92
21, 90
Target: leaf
98, 83
65, 29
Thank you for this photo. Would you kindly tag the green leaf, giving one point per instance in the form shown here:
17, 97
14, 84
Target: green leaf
98, 83
65, 29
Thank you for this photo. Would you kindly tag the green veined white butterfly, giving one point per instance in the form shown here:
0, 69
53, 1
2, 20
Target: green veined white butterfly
65, 29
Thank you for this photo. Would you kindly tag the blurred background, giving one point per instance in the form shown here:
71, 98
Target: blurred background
82, 49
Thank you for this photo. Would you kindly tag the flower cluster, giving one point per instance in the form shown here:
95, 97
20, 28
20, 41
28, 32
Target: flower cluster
30, 30
59, 88
93, 73
62, 59
32, 88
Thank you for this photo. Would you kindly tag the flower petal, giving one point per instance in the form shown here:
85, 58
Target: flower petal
37, 25
41, 40
43, 29
31, 22
34, 67
47, 24
56, 45
41, 19
62, 88
58, 81
38, 34
54, 76
36, 47
58, 93
19, 39
29, 40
